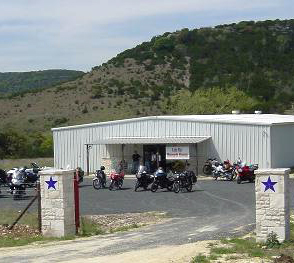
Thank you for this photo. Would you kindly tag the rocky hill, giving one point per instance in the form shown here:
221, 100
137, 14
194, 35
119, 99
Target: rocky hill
255, 58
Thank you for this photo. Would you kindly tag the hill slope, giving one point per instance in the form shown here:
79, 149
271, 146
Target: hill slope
256, 58
13, 82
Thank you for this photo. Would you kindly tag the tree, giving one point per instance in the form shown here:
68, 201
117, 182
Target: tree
210, 101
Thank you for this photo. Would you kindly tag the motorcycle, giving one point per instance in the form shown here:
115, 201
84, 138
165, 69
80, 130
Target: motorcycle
245, 172
183, 180
225, 171
99, 180
17, 184
117, 178
162, 180
207, 167
143, 178
30, 178
4, 178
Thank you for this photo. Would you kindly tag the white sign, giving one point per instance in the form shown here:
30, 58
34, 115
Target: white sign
177, 153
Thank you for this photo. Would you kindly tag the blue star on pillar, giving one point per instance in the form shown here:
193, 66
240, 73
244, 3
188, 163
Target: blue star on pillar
269, 184
51, 183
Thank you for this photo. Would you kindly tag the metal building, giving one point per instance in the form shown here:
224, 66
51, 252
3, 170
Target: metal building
266, 139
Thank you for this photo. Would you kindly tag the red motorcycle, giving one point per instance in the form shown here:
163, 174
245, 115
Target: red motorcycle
117, 178
245, 172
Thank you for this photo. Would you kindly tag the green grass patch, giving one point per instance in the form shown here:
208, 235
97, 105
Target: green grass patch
7, 217
26, 240
200, 259
89, 228
124, 228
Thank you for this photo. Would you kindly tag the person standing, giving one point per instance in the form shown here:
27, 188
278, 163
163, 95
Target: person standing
136, 161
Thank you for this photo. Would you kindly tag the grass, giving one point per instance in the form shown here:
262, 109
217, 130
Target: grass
124, 228
236, 248
88, 228
7, 217
7, 164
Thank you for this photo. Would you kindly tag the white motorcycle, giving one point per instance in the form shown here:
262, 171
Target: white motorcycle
17, 184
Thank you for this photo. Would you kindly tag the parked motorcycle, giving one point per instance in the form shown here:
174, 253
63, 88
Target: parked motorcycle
183, 180
162, 180
4, 179
223, 170
207, 167
143, 178
17, 184
117, 178
245, 172
99, 180
30, 178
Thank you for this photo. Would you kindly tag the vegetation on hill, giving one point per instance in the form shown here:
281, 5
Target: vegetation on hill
246, 66
20, 82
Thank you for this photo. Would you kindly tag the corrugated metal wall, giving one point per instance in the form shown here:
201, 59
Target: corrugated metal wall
229, 141
282, 146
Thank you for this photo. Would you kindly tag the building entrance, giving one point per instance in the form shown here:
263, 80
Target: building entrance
154, 156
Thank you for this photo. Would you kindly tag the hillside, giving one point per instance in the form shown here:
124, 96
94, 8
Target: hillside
195, 71
17, 82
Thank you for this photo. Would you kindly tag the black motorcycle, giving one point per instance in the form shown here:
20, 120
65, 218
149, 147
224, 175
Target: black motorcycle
17, 184
162, 180
4, 180
30, 178
207, 167
183, 180
99, 180
143, 178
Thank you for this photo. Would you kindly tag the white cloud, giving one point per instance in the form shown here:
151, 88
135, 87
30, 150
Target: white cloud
80, 33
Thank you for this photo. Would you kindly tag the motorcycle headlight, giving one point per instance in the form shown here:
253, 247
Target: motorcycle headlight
240, 170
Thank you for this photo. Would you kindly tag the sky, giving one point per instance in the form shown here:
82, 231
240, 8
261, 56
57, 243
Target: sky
79, 35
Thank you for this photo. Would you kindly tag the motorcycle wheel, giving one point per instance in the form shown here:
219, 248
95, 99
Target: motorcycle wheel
189, 188
251, 180
120, 184
97, 184
238, 179
207, 169
234, 175
154, 187
170, 187
176, 187
111, 185
137, 186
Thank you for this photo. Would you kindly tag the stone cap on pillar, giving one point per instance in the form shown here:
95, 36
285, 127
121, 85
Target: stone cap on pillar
275, 171
55, 171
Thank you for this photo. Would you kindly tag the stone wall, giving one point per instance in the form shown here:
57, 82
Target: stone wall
57, 203
272, 204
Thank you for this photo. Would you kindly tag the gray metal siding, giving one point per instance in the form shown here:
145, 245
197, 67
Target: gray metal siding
229, 141
282, 150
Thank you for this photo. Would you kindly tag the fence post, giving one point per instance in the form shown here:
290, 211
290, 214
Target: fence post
272, 204
57, 202
39, 207
77, 202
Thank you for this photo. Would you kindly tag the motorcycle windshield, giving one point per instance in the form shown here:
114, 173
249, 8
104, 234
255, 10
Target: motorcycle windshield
142, 169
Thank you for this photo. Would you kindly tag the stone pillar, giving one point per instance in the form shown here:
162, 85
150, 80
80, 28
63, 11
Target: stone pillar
272, 204
57, 203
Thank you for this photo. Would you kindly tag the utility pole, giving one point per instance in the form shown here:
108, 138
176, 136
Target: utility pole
88, 147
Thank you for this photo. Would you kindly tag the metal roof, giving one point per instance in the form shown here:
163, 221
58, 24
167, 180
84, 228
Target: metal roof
254, 119
152, 140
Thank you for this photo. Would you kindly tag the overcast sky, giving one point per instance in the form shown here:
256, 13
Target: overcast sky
72, 34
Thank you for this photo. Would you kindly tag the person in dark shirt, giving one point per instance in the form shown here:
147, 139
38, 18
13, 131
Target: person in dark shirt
136, 161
